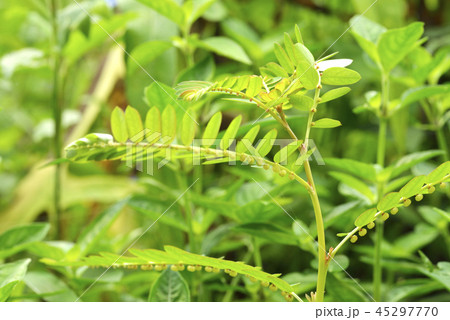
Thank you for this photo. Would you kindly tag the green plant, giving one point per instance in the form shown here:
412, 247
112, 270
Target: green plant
387, 49
295, 82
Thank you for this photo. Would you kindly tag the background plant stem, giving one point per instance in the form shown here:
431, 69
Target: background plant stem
381, 152
57, 115
377, 270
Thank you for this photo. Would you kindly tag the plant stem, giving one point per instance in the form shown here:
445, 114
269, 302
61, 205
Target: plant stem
443, 143
377, 270
188, 50
256, 252
322, 252
381, 151
382, 130
437, 127
57, 115
381, 141
323, 265
182, 183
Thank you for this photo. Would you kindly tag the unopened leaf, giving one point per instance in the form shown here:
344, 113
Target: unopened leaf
283, 58
304, 62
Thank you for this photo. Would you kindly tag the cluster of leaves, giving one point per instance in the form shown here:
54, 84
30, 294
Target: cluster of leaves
284, 85
136, 141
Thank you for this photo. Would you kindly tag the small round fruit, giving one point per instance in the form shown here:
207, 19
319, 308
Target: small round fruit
443, 185
191, 268
158, 267
371, 225
354, 238
385, 216
431, 189
394, 211
362, 232
273, 287
419, 197
208, 269
264, 284
406, 202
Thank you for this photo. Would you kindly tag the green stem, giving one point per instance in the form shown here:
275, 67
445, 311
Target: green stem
57, 115
256, 252
323, 263
322, 252
443, 143
382, 130
381, 151
377, 270
438, 128
187, 212
188, 51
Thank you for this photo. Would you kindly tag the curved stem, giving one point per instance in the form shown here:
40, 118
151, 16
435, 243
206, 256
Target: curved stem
322, 252
378, 214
